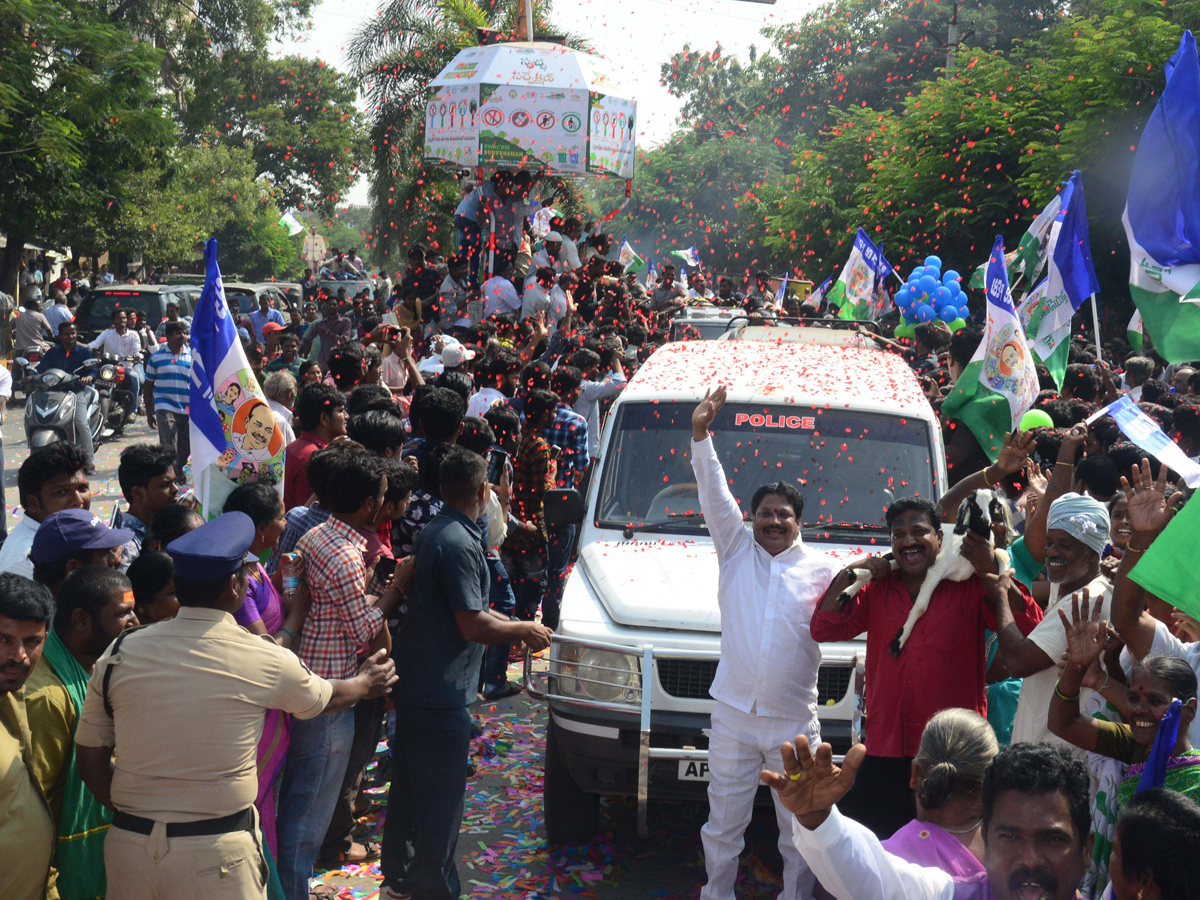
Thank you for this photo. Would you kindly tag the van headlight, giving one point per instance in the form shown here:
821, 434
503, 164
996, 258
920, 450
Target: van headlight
603, 675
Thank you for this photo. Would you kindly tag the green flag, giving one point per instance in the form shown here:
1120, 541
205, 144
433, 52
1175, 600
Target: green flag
1135, 332
1030, 256
1161, 570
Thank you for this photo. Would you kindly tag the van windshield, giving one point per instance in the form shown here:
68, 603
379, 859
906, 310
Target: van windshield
849, 465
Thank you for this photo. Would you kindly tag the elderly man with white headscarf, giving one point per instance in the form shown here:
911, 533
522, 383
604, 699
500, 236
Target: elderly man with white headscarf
1076, 533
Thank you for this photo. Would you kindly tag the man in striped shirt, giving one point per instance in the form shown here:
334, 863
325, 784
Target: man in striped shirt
168, 374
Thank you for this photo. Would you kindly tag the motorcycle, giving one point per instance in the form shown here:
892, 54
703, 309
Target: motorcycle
51, 403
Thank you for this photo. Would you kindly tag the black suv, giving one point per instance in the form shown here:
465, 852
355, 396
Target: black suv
96, 309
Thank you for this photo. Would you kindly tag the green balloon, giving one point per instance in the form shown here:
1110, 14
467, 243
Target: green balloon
1035, 418
905, 331
957, 324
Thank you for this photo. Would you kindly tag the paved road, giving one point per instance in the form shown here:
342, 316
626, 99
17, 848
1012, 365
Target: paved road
503, 849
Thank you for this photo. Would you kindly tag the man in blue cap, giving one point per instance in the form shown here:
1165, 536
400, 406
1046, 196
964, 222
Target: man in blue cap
72, 538
190, 694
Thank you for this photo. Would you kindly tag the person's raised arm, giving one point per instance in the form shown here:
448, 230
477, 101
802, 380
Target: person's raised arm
1014, 456
1021, 656
721, 512
1086, 634
847, 859
1149, 513
1060, 483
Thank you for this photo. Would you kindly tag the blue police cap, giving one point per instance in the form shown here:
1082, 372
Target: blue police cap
68, 531
214, 549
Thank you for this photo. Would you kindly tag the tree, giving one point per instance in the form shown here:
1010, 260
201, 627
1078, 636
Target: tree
395, 56
78, 110
296, 116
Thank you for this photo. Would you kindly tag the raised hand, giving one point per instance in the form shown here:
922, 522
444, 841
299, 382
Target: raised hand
1086, 632
1149, 509
706, 411
1014, 455
810, 786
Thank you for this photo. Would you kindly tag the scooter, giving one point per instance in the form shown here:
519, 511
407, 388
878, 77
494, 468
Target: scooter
51, 403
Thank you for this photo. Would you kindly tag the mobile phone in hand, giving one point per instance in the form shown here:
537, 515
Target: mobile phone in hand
385, 568
495, 471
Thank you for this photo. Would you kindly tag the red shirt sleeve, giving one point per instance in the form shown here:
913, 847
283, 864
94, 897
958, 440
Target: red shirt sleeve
1026, 618
829, 625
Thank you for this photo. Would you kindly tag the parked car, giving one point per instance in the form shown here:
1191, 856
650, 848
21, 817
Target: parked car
95, 310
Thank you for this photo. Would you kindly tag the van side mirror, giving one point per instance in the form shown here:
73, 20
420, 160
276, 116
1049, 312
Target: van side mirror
563, 507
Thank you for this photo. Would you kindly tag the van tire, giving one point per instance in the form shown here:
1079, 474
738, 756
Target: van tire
572, 816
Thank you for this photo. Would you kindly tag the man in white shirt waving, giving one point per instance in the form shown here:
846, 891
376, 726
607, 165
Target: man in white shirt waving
766, 684
1036, 829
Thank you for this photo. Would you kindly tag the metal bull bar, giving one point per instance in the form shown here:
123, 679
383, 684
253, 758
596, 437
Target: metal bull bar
639, 696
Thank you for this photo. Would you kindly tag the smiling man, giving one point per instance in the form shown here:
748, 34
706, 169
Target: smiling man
766, 683
943, 663
1076, 534
1036, 829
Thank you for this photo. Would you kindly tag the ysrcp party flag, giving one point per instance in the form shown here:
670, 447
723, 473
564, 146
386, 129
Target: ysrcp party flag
1160, 570
999, 384
817, 297
235, 439
630, 261
1162, 213
782, 292
691, 256
291, 223
1069, 282
1030, 256
854, 290
1135, 333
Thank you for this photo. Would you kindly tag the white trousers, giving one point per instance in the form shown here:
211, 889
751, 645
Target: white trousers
741, 746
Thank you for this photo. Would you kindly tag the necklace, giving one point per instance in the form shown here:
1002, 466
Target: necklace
966, 830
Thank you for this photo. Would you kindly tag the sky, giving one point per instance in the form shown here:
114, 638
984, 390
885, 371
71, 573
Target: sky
637, 35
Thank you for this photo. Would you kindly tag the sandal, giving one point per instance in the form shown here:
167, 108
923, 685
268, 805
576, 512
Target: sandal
370, 851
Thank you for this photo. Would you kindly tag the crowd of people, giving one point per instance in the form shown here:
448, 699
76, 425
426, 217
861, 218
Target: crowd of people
1032, 739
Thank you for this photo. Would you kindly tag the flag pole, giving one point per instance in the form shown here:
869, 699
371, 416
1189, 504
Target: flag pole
1096, 326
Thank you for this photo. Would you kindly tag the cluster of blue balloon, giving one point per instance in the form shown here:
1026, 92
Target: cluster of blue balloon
928, 295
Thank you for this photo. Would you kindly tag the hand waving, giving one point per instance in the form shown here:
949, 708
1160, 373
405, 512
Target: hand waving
812, 785
706, 411
1086, 633
1014, 455
1149, 509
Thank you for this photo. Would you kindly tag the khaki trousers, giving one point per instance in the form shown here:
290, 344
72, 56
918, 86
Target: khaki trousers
155, 867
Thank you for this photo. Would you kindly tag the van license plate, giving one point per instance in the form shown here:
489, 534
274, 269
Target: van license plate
693, 770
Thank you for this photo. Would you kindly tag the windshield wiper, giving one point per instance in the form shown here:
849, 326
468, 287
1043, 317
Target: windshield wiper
845, 526
671, 521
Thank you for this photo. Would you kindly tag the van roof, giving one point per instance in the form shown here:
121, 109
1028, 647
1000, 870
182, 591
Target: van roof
781, 373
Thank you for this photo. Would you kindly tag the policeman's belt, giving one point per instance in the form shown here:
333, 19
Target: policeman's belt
239, 821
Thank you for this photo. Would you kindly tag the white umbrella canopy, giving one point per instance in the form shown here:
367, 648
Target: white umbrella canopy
530, 106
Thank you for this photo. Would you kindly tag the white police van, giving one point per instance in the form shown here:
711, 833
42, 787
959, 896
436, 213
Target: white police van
639, 636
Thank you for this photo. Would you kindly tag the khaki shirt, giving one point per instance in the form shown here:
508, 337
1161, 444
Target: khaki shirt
189, 696
52, 723
27, 833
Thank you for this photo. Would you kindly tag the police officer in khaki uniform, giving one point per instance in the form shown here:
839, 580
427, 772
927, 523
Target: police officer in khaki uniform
182, 702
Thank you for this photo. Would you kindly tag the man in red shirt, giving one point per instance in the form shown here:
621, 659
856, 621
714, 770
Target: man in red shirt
321, 409
943, 661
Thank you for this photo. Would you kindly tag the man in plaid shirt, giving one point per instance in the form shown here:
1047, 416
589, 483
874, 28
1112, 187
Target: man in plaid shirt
303, 519
534, 471
569, 434
342, 620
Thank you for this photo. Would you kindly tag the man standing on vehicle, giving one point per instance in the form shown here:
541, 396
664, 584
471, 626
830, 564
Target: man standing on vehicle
68, 356
766, 683
314, 248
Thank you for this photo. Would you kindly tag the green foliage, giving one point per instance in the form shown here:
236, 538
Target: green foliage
875, 132
296, 116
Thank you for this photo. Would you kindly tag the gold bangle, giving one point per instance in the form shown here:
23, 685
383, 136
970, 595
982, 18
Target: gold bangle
1063, 697
985, 478
1063, 462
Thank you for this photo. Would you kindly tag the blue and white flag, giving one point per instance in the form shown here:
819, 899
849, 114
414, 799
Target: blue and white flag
817, 297
1070, 281
691, 256
291, 223
782, 292
651, 273
1162, 212
1145, 432
854, 290
235, 438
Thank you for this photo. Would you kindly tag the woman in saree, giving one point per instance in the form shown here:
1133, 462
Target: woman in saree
263, 613
957, 747
1158, 707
